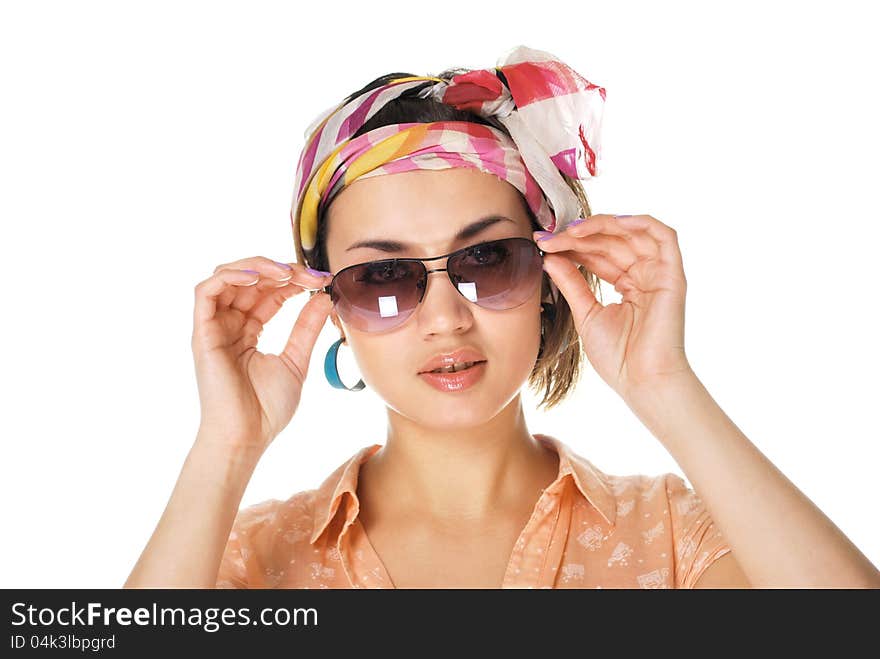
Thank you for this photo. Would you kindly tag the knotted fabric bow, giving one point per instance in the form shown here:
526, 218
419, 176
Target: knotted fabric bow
553, 115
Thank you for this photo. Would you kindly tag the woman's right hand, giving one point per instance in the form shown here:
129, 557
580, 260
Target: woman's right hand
248, 397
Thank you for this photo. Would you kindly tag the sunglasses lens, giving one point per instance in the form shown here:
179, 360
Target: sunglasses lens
501, 274
378, 296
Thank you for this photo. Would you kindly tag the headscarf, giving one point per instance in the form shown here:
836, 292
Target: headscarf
553, 115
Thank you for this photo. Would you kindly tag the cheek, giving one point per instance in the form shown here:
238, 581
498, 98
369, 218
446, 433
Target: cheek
530, 330
512, 337
384, 358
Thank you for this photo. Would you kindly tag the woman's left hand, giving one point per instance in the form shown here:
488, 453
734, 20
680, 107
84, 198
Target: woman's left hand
635, 344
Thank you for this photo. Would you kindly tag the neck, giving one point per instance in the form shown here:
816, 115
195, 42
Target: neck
457, 474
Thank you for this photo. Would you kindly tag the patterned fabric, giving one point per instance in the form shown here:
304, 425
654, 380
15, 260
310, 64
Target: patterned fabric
553, 115
588, 530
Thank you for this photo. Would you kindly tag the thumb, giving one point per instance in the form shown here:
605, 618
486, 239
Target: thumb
301, 342
571, 283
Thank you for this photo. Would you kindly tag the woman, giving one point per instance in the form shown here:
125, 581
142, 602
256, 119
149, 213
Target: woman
438, 220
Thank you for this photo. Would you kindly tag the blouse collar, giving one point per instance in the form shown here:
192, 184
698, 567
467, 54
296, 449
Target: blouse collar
588, 479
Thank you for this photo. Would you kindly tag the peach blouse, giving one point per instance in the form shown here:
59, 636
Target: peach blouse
588, 530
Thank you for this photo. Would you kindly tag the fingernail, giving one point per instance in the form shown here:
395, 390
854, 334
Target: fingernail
283, 265
318, 273
544, 235
576, 222
253, 272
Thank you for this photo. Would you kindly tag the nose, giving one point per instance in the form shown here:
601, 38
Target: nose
465, 288
444, 308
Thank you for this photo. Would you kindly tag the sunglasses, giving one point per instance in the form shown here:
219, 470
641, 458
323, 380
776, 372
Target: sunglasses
380, 295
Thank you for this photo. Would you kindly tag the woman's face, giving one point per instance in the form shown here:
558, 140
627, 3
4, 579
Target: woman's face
424, 210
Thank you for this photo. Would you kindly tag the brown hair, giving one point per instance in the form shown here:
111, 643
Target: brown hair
557, 369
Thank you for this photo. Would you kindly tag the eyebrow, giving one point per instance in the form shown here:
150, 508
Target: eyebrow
469, 231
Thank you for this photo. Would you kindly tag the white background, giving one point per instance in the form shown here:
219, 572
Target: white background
143, 144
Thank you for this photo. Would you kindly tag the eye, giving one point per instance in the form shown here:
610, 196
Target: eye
384, 272
487, 254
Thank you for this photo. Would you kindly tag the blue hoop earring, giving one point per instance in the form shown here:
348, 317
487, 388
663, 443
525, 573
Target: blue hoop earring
331, 369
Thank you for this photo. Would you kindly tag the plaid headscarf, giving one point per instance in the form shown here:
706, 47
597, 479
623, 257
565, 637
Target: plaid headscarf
553, 115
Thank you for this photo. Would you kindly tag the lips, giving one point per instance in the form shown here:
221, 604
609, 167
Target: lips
460, 355
457, 382
458, 368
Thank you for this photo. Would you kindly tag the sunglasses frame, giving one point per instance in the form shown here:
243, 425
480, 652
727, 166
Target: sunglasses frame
541, 252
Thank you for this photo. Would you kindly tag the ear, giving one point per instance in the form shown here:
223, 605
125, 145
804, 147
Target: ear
334, 318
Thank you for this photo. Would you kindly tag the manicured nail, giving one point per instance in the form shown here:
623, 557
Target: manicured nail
318, 273
283, 265
253, 272
544, 235
576, 222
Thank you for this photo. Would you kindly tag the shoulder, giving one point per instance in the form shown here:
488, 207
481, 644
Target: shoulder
295, 512
665, 491
293, 519
684, 502
642, 499
625, 486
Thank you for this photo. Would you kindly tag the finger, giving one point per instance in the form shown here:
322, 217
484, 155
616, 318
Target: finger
598, 264
612, 248
245, 298
573, 286
643, 244
301, 279
208, 291
272, 276
269, 304
298, 351
603, 235
261, 263
665, 236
